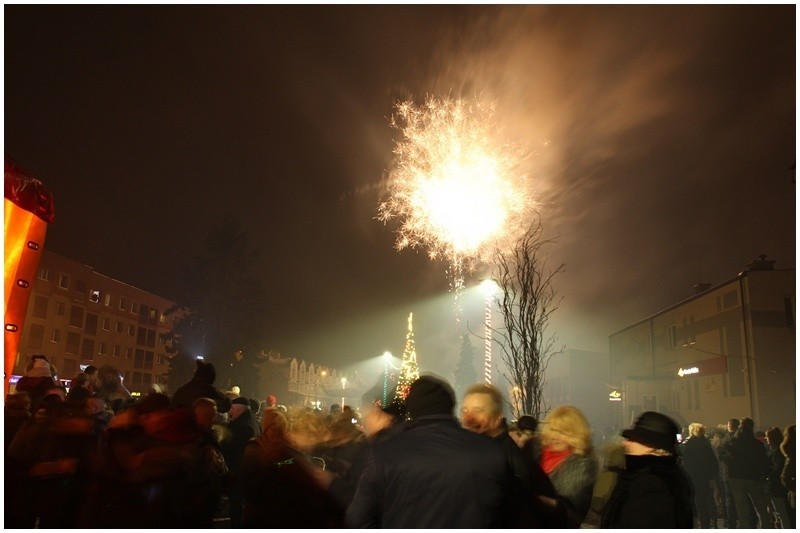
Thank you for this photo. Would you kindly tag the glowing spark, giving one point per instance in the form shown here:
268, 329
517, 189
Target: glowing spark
456, 185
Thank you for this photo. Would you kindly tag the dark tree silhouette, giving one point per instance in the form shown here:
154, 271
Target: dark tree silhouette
221, 310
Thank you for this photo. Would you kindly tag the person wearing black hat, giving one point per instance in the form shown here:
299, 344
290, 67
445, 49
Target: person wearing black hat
242, 427
434, 473
652, 491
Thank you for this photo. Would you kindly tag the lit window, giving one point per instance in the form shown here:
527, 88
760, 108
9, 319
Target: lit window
94, 296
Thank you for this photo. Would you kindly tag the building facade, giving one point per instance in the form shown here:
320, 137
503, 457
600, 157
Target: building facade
79, 317
727, 352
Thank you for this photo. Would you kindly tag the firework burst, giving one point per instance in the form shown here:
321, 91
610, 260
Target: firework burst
456, 185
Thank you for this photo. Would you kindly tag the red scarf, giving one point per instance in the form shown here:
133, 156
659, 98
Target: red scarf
550, 459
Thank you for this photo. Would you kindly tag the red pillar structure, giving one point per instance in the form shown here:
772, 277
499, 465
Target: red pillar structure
28, 209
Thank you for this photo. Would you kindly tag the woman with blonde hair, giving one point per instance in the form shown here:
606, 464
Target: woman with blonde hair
567, 457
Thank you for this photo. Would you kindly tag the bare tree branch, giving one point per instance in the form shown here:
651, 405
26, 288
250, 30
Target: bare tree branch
527, 303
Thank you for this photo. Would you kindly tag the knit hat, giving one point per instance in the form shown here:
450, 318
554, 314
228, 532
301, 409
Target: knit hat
654, 429
41, 368
527, 422
429, 395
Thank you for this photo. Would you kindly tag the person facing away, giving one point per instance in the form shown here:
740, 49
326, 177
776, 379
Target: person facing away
788, 474
523, 431
777, 492
279, 491
747, 470
434, 473
37, 379
652, 491
201, 386
567, 457
700, 462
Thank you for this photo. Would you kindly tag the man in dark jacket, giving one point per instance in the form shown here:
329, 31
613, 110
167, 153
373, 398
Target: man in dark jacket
482, 413
434, 474
700, 462
201, 386
748, 467
242, 427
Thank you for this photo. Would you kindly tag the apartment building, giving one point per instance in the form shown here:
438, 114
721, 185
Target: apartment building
79, 317
726, 352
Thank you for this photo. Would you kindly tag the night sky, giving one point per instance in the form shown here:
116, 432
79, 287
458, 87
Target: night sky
663, 142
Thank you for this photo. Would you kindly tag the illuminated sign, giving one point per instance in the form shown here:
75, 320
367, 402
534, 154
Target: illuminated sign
614, 395
705, 367
686, 371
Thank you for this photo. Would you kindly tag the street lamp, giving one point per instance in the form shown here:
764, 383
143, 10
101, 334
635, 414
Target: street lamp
386, 358
489, 287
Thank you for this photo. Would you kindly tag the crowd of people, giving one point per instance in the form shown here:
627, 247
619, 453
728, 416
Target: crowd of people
202, 458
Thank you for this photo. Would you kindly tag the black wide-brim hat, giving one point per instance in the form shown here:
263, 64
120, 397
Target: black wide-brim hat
654, 429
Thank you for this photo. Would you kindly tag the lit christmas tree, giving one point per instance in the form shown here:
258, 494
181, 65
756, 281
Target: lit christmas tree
409, 371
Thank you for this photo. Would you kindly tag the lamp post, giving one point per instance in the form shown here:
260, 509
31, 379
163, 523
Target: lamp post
344, 384
489, 287
386, 357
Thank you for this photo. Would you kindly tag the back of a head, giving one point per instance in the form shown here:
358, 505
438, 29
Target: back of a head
205, 373
274, 425
429, 396
527, 423
696, 429
774, 436
747, 426
151, 403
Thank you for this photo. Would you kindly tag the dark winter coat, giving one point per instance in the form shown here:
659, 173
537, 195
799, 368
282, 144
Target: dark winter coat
531, 483
241, 430
574, 480
435, 474
699, 460
652, 492
280, 494
197, 388
746, 457
776, 463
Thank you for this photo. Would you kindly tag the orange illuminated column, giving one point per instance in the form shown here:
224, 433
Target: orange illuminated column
27, 209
